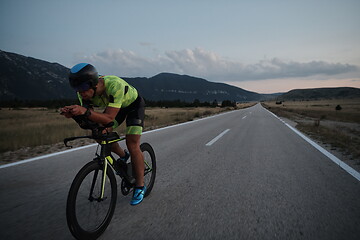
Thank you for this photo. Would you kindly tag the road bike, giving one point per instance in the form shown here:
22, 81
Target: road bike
92, 196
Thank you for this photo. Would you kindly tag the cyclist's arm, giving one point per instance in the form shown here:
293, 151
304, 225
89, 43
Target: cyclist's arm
103, 118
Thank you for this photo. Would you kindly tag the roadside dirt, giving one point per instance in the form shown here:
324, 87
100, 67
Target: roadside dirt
349, 128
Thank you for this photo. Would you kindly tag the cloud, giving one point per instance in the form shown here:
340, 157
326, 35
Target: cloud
276, 68
123, 63
209, 65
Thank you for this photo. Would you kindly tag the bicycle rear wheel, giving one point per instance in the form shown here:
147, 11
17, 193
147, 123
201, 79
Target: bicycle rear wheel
88, 214
150, 166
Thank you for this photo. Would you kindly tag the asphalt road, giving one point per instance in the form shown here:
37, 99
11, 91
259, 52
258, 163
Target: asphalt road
258, 180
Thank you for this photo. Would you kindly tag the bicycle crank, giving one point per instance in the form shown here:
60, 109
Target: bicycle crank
125, 187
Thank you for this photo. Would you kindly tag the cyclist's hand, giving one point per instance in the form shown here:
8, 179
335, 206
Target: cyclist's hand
66, 112
77, 110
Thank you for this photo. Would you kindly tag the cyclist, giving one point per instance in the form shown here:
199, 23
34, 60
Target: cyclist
121, 101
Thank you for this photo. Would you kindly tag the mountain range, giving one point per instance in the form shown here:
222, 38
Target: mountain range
168, 86
321, 93
27, 78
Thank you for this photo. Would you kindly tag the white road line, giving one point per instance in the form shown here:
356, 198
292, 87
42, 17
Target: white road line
217, 138
336, 160
45, 156
244, 117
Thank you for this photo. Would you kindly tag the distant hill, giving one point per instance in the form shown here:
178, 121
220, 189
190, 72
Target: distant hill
168, 86
321, 93
27, 78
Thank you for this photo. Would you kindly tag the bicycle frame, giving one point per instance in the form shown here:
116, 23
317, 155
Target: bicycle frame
105, 155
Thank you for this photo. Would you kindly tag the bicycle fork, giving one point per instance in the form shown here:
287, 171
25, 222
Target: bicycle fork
108, 160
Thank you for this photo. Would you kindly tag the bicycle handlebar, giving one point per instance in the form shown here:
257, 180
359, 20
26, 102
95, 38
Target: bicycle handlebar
66, 140
85, 123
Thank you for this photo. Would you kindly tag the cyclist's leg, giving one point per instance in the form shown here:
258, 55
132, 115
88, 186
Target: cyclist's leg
134, 126
137, 158
115, 147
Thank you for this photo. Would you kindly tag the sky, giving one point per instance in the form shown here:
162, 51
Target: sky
265, 46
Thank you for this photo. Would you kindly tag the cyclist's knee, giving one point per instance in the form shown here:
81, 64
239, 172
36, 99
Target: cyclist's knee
133, 142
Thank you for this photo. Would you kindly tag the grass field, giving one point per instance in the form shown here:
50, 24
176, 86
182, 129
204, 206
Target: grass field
321, 109
319, 119
39, 126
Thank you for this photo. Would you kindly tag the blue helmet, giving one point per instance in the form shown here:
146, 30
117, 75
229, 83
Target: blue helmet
83, 76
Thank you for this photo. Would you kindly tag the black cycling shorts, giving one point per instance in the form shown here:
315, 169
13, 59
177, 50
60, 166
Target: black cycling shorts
134, 115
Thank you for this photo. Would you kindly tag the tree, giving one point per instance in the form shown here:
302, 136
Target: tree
215, 103
196, 103
228, 103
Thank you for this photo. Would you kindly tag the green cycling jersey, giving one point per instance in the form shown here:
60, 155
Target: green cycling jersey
118, 94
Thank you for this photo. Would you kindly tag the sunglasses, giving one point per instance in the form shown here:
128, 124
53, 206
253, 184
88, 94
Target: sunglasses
82, 87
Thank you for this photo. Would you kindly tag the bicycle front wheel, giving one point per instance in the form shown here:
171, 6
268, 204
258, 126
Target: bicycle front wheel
88, 213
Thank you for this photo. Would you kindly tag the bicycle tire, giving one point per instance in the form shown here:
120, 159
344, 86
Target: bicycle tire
73, 209
150, 166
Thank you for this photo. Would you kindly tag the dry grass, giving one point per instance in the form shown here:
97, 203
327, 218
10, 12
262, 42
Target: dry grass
33, 127
36, 127
322, 109
338, 138
319, 119
159, 117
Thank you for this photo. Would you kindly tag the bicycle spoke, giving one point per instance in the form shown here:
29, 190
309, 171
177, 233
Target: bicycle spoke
93, 184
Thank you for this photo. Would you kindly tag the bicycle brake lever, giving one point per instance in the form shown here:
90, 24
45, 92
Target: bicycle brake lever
65, 143
66, 140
